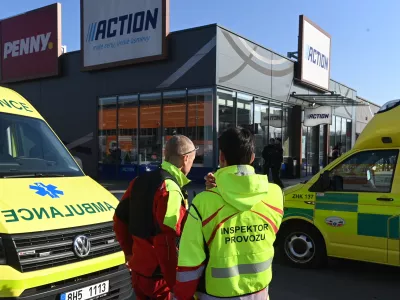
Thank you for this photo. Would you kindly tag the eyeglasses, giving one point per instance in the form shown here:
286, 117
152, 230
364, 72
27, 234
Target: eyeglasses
195, 149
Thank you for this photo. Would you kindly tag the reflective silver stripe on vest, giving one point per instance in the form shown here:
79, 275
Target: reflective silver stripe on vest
186, 276
244, 170
261, 295
241, 269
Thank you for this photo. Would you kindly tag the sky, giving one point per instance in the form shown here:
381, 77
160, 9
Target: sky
364, 33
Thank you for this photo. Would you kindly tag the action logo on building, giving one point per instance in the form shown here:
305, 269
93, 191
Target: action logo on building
119, 32
316, 57
314, 54
317, 116
31, 44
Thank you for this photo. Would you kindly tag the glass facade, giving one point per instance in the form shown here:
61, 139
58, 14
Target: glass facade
313, 149
340, 132
266, 119
150, 137
108, 156
261, 120
132, 129
226, 109
200, 125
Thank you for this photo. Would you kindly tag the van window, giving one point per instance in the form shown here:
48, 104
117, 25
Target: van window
29, 148
351, 175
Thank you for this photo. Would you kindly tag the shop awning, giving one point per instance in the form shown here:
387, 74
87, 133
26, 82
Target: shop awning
328, 99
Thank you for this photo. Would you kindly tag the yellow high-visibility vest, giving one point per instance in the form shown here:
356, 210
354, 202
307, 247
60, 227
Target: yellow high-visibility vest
239, 220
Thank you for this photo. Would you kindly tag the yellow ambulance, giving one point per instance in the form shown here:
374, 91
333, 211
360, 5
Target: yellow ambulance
56, 231
351, 209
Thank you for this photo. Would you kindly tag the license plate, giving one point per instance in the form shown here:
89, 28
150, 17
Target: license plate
89, 292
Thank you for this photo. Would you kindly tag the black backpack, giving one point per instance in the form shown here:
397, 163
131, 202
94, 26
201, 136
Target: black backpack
137, 211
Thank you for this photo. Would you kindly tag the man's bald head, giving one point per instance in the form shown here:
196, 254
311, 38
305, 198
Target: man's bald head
176, 147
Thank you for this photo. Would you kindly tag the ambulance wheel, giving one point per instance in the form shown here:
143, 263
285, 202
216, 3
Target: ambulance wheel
302, 245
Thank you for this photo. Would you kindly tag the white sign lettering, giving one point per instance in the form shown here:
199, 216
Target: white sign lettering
122, 30
317, 116
28, 45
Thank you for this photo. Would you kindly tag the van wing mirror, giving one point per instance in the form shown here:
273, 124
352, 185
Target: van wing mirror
322, 184
325, 180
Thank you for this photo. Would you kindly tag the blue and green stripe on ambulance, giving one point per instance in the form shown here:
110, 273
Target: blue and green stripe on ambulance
374, 225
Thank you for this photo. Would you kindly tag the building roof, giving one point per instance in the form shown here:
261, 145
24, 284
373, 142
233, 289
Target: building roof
370, 102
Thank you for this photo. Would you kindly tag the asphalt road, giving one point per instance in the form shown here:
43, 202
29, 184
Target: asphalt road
341, 280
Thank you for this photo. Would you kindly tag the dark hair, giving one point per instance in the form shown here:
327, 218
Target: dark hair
237, 145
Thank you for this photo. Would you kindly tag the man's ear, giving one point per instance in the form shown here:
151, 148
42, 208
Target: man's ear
186, 158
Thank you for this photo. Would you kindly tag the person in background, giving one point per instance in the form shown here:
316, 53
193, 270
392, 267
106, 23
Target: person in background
115, 153
273, 158
149, 220
267, 154
226, 249
337, 151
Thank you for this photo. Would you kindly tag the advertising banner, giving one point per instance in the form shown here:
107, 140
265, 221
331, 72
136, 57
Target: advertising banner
31, 44
314, 54
121, 32
317, 116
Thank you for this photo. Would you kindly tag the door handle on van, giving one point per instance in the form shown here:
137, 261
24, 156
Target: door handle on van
384, 199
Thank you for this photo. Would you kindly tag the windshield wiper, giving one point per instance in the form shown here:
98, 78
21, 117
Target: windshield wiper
34, 175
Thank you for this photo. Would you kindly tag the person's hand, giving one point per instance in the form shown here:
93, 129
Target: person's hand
127, 259
210, 181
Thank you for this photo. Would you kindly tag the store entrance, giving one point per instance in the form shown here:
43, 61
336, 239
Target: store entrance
314, 152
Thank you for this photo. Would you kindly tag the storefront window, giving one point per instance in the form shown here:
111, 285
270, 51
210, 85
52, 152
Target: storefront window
200, 125
261, 113
343, 135
245, 111
108, 131
349, 131
338, 130
174, 114
332, 132
286, 131
128, 131
304, 150
150, 143
226, 109
275, 121
321, 146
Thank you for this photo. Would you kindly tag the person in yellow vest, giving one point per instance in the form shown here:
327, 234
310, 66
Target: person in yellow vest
226, 249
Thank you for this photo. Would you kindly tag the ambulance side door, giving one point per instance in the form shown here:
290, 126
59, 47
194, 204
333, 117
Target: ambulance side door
361, 189
394, 220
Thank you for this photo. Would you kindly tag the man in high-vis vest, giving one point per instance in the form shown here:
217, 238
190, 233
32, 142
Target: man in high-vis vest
149, 220
226, 249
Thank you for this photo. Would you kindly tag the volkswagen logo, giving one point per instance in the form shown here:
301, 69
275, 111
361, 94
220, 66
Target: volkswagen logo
81, 246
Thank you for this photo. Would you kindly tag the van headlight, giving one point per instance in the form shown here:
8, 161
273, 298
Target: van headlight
2, 253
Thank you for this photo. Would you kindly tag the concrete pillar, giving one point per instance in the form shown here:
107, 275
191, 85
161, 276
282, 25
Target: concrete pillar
296, 137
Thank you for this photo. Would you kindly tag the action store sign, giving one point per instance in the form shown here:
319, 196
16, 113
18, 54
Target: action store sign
314, 54
317, 116
120, 32
31, 44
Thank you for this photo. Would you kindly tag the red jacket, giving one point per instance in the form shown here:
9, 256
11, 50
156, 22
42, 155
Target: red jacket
158, 251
